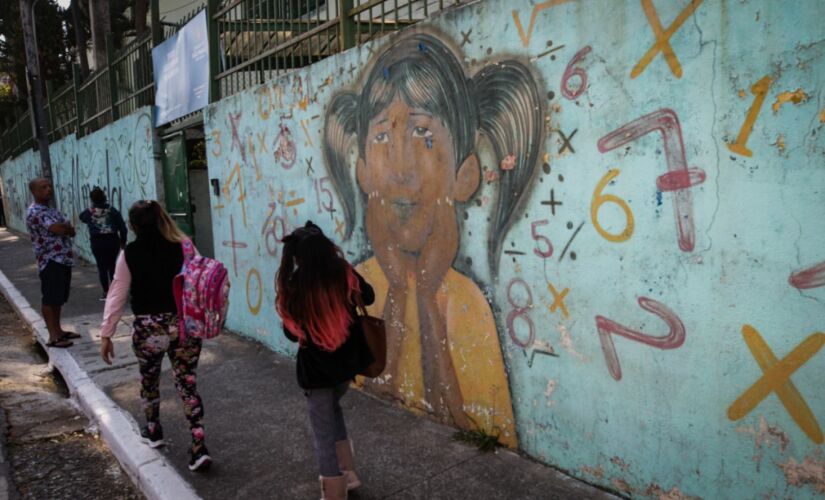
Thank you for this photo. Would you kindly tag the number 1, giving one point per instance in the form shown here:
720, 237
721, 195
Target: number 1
760, 90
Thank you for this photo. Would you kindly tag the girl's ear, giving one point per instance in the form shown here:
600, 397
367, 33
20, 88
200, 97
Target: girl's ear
467, 179
361, 175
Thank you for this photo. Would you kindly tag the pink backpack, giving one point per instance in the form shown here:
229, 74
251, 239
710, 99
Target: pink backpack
201, 293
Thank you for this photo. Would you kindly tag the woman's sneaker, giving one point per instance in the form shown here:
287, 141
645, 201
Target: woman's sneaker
199, 460
152, 438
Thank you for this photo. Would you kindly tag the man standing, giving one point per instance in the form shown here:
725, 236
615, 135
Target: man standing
51, 236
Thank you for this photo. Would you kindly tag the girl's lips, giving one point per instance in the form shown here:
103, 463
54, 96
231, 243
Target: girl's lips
403, 207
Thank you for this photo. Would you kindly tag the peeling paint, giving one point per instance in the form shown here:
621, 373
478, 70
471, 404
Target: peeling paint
822, 116
765, 437
780, 143
597, 472
621, 485
810, 472
617, 461
674, 493
796, 97
567, 342
548, 392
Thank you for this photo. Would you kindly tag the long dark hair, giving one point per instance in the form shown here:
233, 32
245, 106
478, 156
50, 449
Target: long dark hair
317, 297
502, 101
148, 219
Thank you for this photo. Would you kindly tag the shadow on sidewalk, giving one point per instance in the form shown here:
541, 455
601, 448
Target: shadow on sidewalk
257, 429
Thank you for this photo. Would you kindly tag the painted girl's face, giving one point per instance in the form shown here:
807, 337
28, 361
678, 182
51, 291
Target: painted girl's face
408, 174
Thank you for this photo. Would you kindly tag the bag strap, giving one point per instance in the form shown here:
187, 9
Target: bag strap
359, 305
189, 252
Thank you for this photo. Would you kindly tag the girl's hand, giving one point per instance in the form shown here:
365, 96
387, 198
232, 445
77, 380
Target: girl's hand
107, 350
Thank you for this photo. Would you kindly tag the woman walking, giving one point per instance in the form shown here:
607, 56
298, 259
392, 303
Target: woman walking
146, 270
317, 295
107, 235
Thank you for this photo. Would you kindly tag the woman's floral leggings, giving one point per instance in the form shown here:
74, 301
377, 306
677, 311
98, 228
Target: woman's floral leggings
155, 335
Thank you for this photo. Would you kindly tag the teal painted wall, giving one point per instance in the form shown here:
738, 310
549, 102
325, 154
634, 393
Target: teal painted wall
118, 158
654, 387
656, 417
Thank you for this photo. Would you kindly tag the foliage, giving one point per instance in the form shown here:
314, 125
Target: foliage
478, 438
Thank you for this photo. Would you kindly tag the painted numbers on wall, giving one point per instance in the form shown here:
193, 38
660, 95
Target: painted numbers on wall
679, 178
760, 90
812, 277
520, 312
254, 306
600, 199
572, 70
776, 378
607, 328
235, 174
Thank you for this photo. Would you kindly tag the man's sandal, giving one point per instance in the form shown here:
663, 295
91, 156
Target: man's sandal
62, 343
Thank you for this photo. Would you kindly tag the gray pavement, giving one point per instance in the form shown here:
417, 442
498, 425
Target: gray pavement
256, 424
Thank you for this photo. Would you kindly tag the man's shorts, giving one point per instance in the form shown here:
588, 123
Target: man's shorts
55, 282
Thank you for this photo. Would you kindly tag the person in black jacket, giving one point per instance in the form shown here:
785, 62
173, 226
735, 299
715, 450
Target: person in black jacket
317, 295
107, 235
145, 271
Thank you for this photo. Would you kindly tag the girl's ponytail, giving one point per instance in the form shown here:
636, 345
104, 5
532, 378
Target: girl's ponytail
510, 111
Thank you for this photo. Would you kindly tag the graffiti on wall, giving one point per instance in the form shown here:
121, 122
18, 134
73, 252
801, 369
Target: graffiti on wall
549, 206
117, 158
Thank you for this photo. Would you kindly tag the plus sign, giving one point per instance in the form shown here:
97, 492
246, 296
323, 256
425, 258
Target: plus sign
232, 243
552, 202
351, 69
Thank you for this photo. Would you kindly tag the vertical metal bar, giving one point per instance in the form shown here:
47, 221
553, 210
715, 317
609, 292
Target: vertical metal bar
75, 94
213, 37
346, 29
110, 54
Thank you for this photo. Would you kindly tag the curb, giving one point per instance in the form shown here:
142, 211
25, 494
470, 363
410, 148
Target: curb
147, 468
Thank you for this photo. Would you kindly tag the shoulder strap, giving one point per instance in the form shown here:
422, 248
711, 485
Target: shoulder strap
359, 304
189, 251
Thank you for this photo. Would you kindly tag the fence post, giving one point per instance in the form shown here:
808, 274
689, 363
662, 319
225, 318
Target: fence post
214, 36
49, 110
346, 25
157, 29
110, 63
78, 117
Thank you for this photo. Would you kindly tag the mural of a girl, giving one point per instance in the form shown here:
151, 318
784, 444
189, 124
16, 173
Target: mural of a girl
416, 123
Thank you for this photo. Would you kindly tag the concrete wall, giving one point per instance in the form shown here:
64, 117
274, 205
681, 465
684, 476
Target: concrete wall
118, 158
607, 247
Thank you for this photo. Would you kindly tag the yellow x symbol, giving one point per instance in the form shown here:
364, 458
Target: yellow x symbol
558, 299
776, 377
662, 42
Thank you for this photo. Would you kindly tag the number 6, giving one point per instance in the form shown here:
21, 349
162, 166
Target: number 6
599, 199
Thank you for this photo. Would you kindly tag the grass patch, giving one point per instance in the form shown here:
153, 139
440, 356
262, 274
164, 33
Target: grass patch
478, 438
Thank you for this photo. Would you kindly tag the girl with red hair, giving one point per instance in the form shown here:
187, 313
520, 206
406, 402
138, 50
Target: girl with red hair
317, 295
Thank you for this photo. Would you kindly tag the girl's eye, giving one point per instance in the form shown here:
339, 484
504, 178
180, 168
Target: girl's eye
381, 138
422, 132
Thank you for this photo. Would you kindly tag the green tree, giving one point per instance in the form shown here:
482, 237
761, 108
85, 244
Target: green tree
55, 50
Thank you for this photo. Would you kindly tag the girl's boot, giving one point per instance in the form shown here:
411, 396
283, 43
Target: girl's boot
333, 488
345, 452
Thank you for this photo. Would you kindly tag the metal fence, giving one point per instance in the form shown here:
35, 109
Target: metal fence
250, 42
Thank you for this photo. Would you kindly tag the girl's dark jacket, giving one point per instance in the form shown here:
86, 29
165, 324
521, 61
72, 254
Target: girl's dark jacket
319, 369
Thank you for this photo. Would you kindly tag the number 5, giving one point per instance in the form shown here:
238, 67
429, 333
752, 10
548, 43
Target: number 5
538, 237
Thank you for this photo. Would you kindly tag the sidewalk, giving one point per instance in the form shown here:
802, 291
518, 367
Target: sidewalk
256, 426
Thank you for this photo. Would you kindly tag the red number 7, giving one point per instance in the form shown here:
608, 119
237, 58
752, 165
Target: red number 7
538, 237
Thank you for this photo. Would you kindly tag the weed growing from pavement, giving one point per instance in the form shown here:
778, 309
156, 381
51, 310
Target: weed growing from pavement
478, 438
